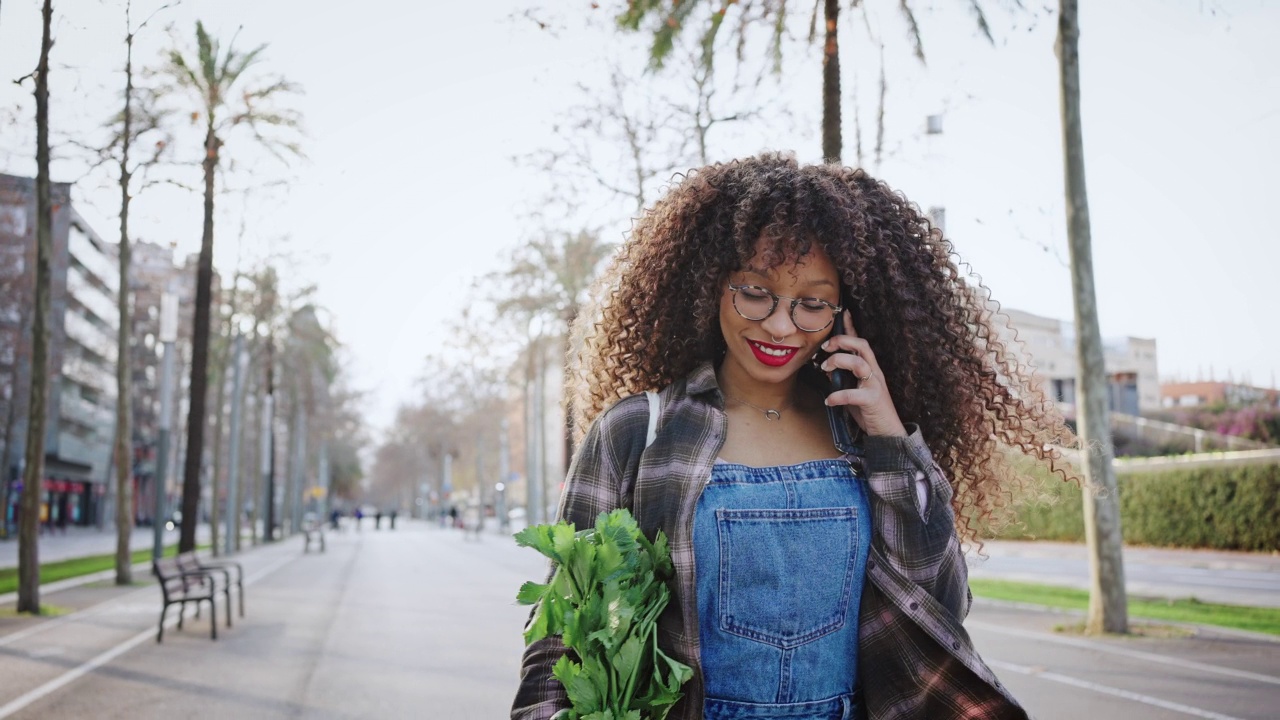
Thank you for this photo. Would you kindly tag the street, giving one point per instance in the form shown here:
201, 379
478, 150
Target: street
421, 622
1230, 578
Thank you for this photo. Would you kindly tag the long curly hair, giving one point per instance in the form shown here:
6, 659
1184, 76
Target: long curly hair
654, 314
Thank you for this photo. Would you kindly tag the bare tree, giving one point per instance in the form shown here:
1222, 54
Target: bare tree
1108, 607
128, 134
28, 552
211, 77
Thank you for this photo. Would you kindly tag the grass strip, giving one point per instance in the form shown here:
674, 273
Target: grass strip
75, 567
1187, 610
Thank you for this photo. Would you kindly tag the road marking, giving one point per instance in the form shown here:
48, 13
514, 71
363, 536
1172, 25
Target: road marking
1105, 690
106, 657
1135, 654
58, 682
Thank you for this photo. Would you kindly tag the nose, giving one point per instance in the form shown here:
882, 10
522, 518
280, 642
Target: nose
779, 324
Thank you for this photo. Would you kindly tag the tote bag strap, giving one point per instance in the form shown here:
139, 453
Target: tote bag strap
655, 410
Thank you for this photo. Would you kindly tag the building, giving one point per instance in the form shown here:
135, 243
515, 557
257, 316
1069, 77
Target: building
1133, 385
152, 274
1216, 393
82, 352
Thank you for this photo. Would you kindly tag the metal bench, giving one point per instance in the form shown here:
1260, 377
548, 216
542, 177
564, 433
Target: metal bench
191, 560
312, 531
180, 587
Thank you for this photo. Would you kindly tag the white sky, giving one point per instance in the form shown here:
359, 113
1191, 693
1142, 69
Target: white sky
414, 111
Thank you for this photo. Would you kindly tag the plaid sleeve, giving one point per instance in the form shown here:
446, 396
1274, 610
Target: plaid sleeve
918, 596
599, 480
920, 543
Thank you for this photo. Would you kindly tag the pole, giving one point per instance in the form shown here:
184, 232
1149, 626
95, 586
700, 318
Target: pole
269, 449
168, 339
323, 472
298, 474
538, 479
1108, 605
504, 471
232, 514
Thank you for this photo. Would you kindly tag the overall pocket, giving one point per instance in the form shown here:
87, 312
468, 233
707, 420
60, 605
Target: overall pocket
786, 575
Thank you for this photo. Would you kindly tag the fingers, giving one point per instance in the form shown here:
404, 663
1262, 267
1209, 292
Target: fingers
849, 329
850, 344
855, 363
858, 397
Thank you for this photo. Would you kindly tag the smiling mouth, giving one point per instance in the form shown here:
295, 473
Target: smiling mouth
772, 355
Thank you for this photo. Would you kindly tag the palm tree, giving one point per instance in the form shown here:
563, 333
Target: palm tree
671, 16
1108, 608
210, 80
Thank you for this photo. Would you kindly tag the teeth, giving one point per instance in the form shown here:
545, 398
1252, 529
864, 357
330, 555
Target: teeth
773, 352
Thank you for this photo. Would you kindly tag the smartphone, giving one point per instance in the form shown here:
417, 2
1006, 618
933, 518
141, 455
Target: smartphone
841, 379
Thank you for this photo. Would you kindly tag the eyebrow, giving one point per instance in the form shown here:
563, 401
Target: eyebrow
810, 284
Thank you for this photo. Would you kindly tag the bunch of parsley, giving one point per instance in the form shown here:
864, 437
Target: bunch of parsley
604, 599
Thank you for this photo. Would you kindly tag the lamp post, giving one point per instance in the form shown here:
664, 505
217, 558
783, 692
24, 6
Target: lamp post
233, 475
168, 337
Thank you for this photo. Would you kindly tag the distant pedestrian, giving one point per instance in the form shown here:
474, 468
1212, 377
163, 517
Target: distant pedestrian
359, 517
334, 516
453, 516
377, 520
393, 519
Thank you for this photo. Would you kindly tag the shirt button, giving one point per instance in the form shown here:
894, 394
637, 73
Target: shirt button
871, 564
914, 605
955, 646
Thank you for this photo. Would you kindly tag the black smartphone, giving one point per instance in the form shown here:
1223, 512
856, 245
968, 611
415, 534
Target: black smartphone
841, 379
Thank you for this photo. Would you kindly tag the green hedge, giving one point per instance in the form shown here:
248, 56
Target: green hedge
1223, 508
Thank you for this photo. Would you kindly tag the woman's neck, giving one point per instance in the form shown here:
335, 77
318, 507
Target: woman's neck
737, 385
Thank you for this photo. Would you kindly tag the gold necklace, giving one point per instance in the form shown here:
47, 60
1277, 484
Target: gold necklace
769, 413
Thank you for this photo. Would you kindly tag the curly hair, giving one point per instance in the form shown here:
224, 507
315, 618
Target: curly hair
654, 314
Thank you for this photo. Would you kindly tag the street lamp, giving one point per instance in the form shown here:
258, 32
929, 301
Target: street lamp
168, 337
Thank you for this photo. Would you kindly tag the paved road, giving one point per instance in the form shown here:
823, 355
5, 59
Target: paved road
1232, 578
420, 623
78, 542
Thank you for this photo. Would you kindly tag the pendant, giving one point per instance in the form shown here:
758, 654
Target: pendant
772, 415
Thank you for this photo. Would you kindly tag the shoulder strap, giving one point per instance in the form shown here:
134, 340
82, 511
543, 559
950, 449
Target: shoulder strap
655, 410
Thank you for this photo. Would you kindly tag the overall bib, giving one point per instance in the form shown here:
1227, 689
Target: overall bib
781, 557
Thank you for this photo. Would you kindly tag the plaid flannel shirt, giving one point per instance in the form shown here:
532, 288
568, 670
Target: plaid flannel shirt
915, 658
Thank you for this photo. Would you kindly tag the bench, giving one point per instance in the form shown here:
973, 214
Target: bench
180, 587
190, 560
312, 531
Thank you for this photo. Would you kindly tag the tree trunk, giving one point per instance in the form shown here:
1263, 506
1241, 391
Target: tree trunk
831, 142
32, 480
1108, 611
199, 357
124, 432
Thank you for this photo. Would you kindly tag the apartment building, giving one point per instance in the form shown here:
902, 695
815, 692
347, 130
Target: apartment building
82, 352
1133, 381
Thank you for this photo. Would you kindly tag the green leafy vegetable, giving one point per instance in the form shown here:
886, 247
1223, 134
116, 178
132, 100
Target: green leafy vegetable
604, 599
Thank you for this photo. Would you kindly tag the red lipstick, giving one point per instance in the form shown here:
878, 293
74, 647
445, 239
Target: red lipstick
777, 355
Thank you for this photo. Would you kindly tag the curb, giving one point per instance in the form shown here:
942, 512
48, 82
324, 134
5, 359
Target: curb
11, 598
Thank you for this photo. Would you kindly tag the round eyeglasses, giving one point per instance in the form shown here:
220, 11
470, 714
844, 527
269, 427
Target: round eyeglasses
809, 314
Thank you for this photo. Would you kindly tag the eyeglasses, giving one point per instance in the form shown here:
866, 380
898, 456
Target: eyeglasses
809, 314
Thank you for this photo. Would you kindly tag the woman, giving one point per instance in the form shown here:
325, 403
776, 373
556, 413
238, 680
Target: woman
819, 569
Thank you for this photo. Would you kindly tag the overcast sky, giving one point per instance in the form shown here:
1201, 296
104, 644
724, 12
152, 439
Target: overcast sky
415, 109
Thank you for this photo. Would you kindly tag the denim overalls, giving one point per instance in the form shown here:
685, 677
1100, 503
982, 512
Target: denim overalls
781, 556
